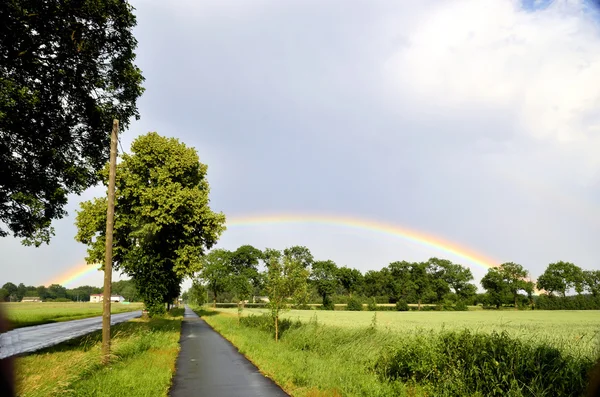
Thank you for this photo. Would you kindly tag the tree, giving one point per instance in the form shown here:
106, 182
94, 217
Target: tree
197, 293
163, 223
11, 289
561, 277
591, 281
507, 279
350, 279
301, 254
216, 271
3, 295
286, 279
42, 292
244, 268
324, 277
66, 70
21, 291
56, 291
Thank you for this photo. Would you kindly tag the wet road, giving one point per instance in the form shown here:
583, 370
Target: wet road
208, 365
30, 339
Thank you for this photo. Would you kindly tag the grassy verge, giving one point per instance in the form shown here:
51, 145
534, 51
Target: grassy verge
313, 359
144, 354
25, 314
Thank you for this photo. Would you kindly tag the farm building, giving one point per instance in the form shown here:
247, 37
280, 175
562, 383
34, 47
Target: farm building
259, 299
95, 298
31, 299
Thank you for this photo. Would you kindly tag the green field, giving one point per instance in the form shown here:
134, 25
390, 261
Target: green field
23, 314
142, 364
575, 331
479, 353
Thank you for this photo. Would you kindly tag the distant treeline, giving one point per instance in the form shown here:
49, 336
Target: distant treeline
57, 293
231, 276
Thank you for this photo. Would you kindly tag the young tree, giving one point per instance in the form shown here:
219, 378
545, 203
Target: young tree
163, 223
324, 278
561, 277
350, 279
286, 278
216, 271
66, 70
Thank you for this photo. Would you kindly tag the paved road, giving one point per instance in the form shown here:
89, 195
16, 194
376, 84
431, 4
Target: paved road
208, 365
30, 339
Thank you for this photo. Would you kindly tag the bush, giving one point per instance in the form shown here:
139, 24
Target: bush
266, 323
372, 306
466, 363
354, 305
461, 306
578, 302
402, 306
328, 303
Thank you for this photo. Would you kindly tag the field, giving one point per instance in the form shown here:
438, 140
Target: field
481, 353
575, 331
143, 362
23, 314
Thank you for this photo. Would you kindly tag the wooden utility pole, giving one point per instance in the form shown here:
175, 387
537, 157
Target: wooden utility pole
110, 216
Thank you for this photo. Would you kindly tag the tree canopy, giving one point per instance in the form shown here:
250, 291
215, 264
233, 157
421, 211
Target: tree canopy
163, 223
66, 70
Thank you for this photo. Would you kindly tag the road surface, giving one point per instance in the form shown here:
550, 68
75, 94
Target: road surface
30, 339
208, 365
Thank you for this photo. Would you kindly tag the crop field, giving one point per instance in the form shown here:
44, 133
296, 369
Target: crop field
577, 332
23, 314
479, 353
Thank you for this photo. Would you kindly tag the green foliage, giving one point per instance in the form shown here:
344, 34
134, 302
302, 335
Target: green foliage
354, 304
402, 306
372, 305
163, 223
561, 277
328, 303
505, 282
265, 323
591, 281
286, 279
578, 302
461, 306
466, 363
350, 279
216, 271
67, 70
324, 278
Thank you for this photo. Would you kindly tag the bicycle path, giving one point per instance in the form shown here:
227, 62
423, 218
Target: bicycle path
208, 365
37, 337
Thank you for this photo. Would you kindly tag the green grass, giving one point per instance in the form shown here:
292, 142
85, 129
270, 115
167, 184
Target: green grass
421, 354
575, 331
143, 362
24, 314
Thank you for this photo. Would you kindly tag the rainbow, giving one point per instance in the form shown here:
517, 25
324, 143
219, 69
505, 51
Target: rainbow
353, 222
73, 274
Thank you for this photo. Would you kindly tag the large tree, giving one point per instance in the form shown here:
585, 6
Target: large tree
163, 222
591, 281
324, 277
508, 279
216, 271
350, 279
66, 70
561, 277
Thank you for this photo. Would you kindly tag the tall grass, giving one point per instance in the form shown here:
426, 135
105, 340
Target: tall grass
142, 362
317, 359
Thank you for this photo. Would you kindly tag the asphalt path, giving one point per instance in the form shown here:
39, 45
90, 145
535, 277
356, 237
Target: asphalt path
208, 365
29, 339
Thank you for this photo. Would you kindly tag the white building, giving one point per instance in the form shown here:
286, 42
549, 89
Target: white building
96, 298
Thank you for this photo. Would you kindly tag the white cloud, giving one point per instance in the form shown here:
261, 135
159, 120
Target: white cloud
543, 67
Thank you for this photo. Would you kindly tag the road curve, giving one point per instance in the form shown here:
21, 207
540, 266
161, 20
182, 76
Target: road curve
30, 339
208, 365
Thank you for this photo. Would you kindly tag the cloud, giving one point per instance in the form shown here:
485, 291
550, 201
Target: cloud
541, 67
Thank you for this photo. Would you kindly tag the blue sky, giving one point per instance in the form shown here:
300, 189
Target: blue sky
475, 120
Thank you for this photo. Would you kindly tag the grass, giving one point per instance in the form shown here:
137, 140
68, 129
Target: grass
575, 331
144, 354
24, 314
420, 354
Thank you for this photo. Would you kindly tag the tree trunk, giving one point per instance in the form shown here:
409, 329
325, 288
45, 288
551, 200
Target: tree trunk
419, 302
276, 328
214, 300
516, 301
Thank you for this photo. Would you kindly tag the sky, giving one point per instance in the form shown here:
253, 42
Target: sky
475, 121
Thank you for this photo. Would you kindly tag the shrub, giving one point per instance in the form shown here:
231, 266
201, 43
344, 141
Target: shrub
328, 303
402, 306
461, 306
372, 306
466, 363
266, 323
354, 305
